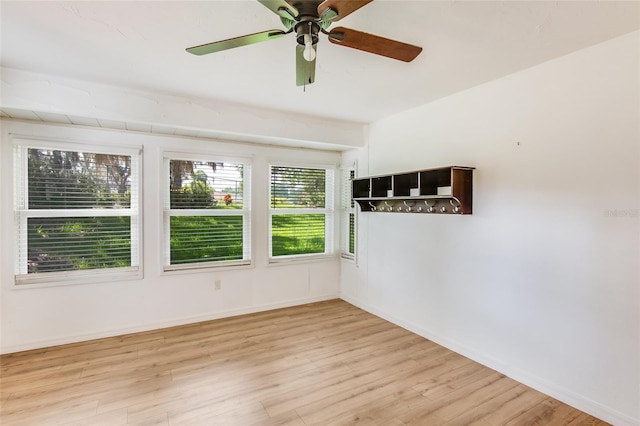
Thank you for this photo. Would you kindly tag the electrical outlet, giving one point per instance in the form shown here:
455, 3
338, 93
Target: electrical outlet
217, 285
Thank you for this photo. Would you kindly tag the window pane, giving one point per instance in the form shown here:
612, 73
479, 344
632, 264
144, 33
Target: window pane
352, 175
77, 243
297, 234
75, 180
348, 222
205, 238
294, 187
352, 233
66, 219
205, 185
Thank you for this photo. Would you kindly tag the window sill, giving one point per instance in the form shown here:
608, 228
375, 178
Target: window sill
301, 258
203, 268
60, 279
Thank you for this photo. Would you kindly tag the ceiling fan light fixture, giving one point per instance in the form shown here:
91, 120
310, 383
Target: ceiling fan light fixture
309, 52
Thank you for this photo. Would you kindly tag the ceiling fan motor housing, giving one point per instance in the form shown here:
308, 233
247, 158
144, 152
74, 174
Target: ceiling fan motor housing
307, 22
307, 27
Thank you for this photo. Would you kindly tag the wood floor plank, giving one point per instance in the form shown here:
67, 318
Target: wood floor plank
547, 412
491, 404
452, 380
111, 418
517, 402
326, 363
586, 420
68, 411
380, 411
286, 419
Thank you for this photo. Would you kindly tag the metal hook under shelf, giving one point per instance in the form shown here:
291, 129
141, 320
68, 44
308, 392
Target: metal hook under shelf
455, 203
430, 207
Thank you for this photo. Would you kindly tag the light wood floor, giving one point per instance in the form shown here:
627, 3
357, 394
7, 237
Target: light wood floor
326, 363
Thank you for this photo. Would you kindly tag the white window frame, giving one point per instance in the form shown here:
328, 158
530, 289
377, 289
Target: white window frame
348, 208
328, 211
245, 212
22, 213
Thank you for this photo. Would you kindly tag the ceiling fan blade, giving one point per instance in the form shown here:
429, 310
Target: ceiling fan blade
374, 44
280, 7
305, 70
341, 7
217, 46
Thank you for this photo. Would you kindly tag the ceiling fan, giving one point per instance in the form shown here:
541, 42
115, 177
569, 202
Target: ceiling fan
308, 18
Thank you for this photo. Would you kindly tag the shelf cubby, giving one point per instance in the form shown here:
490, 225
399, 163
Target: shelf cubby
361, 188
381, 186
406, 184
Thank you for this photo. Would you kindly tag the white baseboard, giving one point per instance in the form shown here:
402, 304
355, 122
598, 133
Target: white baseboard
553, 390
63, 340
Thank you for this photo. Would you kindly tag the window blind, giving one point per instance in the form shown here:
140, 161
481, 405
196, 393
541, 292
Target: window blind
348, 216
293, 187
75, 211
207, 216
300, 214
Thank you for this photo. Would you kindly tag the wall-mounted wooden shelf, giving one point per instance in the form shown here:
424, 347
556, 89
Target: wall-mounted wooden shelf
444, 190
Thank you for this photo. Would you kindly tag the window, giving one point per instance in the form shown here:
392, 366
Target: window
348, 210
206, 214
301, 211
76, 211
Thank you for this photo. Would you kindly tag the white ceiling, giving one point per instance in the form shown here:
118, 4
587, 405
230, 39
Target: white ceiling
140, 44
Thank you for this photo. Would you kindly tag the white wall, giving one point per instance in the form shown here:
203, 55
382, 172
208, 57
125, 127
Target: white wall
38, 317
542, 281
